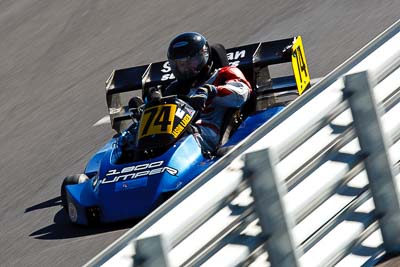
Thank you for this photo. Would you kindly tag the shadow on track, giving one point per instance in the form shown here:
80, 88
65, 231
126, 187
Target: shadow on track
46, 204
63, 229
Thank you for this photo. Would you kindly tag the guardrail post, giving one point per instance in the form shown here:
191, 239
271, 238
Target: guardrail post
268, 192
151, 252
373, 146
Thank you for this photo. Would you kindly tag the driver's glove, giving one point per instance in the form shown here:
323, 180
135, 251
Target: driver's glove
154, 94
134, 105
203, 93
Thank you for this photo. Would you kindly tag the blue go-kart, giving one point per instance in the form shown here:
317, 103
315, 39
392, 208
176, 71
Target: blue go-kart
126, 181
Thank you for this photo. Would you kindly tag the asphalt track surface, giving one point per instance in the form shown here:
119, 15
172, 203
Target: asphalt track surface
55, 56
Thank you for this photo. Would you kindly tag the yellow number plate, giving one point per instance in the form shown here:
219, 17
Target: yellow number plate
299, 65
157, 120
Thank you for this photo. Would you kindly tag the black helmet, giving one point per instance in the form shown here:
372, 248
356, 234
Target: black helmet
189, 56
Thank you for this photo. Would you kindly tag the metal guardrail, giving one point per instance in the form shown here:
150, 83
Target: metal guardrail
380, 175
184, 233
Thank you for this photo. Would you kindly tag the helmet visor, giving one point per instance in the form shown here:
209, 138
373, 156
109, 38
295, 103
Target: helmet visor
188, 68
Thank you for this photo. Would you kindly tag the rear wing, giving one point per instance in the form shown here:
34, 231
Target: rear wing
254, 60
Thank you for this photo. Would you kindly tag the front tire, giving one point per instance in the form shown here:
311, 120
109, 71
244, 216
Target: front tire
70, 180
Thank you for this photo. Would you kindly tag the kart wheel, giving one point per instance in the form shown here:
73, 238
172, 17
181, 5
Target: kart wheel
69, 180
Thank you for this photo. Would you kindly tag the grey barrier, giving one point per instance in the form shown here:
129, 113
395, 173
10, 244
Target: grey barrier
373, 146
175, 232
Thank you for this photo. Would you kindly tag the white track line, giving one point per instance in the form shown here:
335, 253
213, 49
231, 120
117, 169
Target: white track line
104, 120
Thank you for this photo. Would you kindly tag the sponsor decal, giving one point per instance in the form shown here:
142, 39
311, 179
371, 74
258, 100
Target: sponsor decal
167, 76
137, 171
131, 184
179, 113
234, 57
167, 72
182, 124
166, 67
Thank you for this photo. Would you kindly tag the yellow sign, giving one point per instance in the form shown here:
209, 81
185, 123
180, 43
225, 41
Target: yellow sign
299, 65
157, 120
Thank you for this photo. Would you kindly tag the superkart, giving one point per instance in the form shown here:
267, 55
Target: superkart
118, 184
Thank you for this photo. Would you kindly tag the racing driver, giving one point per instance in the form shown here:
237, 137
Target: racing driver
211, 91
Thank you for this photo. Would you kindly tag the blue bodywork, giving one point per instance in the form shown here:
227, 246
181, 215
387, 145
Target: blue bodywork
118, 192
122, 191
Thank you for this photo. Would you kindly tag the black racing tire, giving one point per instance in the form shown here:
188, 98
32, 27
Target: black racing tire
69, 180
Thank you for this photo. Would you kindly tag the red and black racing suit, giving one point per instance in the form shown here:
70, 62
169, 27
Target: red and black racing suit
233, 90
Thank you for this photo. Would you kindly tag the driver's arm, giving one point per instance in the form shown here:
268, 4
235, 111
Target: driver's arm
234, 90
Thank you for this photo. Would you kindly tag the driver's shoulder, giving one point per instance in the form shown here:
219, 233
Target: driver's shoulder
230, 70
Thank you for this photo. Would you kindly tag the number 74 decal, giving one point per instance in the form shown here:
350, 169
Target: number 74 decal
299, 65
157, 120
